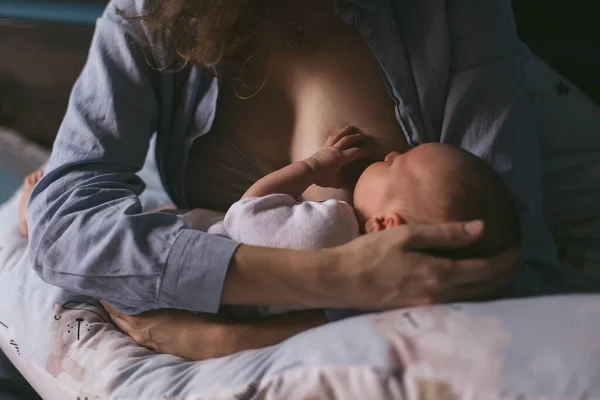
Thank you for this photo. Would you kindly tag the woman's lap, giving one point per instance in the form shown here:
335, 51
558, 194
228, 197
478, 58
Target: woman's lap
569, 129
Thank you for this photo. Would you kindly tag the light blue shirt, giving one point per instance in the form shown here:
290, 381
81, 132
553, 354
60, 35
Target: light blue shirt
454, 68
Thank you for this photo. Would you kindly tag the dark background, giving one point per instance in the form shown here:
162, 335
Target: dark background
39, 60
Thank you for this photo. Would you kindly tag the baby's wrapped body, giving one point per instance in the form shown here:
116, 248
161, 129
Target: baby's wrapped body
433, 183
279, 220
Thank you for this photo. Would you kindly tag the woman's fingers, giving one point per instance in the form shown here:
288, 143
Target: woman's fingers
507, 263
473, 292
113, 311
124, 322
393, 268
445, 236
479, 279
132, 326
118, 318
125, 327
458, 272
120, 323
441, 280
110, 309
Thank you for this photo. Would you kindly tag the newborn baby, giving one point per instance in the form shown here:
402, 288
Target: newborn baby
432, 183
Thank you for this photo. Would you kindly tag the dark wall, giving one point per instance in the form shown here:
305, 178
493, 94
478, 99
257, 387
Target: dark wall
566, 33
38, 66
576, 20
40, 61
43, 46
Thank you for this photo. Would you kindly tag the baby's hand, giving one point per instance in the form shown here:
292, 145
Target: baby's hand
342, 148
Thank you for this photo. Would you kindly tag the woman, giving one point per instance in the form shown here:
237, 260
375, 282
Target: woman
289, 72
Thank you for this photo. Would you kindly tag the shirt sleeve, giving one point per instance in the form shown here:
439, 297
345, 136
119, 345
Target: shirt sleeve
489, 113
278, 220
88, 233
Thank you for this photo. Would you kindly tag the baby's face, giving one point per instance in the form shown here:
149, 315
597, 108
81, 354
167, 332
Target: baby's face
377, 188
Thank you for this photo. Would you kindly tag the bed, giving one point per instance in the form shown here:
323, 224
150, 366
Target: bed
66, 347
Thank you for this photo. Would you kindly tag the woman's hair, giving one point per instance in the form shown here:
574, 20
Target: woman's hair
199, 32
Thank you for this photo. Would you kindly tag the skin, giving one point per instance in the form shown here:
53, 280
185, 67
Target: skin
30, 181
331, 82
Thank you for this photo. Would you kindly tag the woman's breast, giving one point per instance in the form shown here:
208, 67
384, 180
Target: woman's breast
330, 101
220, 169
338, 85
308, 96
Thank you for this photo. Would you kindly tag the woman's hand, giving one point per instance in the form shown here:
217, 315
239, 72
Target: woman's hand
203, 337
383, 270
391, 269
341, 148
180, 333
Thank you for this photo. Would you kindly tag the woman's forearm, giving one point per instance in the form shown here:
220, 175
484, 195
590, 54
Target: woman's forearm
269, 332
202, 337
268, 276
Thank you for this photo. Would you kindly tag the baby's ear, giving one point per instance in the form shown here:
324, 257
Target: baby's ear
383, 222
393, 220
375, 224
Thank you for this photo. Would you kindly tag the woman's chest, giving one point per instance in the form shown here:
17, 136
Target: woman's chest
286, 102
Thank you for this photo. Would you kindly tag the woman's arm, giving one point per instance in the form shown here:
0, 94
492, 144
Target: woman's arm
202, 337
365, 274
88, 233
488, 112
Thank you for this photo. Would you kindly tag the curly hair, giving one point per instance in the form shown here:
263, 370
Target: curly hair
200, 32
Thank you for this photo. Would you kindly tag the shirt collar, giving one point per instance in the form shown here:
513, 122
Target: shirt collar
369, 5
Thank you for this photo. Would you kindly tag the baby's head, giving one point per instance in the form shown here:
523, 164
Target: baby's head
437, 183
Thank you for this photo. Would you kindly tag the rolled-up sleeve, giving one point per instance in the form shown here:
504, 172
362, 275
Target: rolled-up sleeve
88, 233
488, 112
